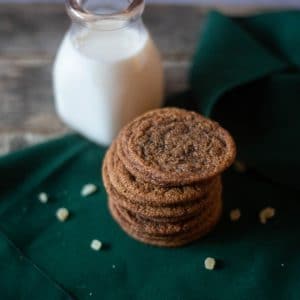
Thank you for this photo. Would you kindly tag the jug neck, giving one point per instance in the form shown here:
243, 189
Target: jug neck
105, 15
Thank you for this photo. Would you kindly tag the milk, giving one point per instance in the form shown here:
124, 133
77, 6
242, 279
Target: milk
105, 78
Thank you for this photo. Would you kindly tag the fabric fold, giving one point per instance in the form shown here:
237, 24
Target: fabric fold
227, 57
246, 76
22, 279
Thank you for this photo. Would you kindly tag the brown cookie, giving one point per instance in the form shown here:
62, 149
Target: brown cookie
162, 214
148, 226
174, 241
167, 231
173, 147
143, 193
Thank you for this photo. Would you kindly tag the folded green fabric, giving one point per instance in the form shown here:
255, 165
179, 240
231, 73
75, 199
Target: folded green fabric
22, 279
250, 254
245, 76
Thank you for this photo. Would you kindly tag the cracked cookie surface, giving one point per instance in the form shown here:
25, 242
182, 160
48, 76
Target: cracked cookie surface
172, 146
141, 192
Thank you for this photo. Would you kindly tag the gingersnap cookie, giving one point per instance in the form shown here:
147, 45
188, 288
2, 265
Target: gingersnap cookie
175, 147
165, 214
167, 232
173, 241
148, 226
143, 193
162, 214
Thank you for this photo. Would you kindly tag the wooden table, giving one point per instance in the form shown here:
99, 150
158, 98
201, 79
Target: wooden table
29, 38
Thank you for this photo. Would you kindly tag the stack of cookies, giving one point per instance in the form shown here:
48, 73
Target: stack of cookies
163, 176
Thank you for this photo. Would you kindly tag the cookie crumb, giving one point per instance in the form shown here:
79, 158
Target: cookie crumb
90, 294
235, 215
209, 263
239, 166
113, 266
96, 245
88, 189
265, 214
62, 214
43, 197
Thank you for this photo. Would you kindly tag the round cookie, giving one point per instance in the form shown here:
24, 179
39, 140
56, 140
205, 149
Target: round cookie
153, 228
144, 192
174, 241
205, 219
162, 214
173, 147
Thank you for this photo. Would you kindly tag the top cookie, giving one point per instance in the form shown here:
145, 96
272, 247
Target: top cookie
172, 147
143, 192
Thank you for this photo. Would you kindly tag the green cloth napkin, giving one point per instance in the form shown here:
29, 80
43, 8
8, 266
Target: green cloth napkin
244, 75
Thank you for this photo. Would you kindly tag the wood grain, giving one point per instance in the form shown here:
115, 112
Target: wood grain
29, 38
31, 31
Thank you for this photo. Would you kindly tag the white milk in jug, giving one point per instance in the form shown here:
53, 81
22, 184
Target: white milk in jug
104, 78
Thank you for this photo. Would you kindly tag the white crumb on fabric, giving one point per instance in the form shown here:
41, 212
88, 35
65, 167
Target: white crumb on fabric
210, 263
282, 265
88, 189
62, 214
113, 266
43, 197
266, 213
239, 166
96, 245
90, 294
235, 215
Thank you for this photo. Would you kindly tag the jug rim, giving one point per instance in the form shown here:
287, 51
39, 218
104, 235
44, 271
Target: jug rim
77, 12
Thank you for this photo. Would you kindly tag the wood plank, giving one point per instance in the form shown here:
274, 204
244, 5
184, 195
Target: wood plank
15, 141
35, 30
175, 29
27, 98
31, 31
27, 113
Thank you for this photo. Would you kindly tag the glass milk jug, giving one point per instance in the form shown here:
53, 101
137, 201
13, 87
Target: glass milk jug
107, 69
